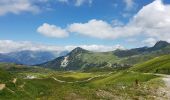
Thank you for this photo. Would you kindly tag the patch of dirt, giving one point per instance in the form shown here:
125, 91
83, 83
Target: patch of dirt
2, 86
14, 80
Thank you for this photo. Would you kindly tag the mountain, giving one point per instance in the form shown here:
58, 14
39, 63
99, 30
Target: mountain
160, 45
6, 58
126, 53
81, 59
143, 54
28, 57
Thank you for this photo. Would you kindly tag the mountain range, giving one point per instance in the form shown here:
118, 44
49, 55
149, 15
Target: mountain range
28, 57
81, 59
82, 74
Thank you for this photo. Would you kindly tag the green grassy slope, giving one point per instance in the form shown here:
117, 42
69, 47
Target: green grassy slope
159, 64
107, 86
99, 57
4, 76
80, 59
53, 85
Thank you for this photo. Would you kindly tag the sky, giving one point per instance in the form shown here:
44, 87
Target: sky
96, 25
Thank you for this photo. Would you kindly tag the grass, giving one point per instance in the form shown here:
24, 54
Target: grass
126, 78
109, 86
99, 57
157, 65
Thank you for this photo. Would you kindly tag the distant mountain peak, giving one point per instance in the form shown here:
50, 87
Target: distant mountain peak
161, 44
78, 50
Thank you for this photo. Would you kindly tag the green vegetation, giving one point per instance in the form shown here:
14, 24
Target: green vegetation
157, 65
61, 85
89, 75
99, 57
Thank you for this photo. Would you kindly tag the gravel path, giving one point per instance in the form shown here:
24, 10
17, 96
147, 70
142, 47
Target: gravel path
167, 80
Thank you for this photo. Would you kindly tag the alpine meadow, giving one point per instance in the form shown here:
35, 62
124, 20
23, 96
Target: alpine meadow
84, 50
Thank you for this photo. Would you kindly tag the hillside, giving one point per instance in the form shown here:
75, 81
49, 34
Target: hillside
22, 84
81, 59
159, 64
143, 50
140, 55
6, 58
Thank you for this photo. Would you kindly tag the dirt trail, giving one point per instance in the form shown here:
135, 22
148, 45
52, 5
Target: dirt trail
165, 77
87, 80
2, 86
167, 80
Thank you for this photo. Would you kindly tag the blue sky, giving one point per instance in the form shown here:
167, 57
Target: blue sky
83, 22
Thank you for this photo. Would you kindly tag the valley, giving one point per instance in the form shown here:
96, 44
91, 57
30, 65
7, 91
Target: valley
84, 49
53, 85
86, 75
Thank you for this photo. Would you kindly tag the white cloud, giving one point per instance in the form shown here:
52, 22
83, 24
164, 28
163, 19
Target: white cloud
52, 31
131, 40
117, 23
93, 28
103, 30
97, 48
17, 6
77, 2
12, 46
81, 2
150, 41
152, 21
129, 4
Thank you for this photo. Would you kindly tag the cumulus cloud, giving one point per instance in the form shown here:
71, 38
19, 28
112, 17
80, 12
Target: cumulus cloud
52, 31
17, 6
149, 41
117, 23
93, 28
103, 30
33, 6
97, 48
12, 46
152, 21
